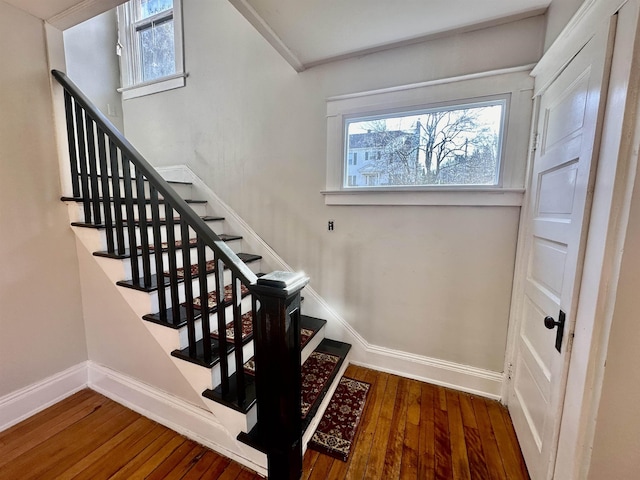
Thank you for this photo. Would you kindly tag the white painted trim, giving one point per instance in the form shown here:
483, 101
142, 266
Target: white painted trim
497, 197
81, 12
249, 13
440, 372
174, 413
573, 37
617, 166
465, 378
170, 82
26, 402
430, 83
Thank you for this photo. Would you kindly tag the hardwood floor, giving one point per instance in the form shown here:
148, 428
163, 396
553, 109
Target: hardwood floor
409, 430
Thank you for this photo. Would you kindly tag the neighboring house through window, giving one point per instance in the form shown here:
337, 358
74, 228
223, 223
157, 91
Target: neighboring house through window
150, 45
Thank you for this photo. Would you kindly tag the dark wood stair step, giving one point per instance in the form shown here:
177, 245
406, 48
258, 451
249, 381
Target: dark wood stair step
181, 321
119, 177
153, 286
123, 200
163, 221
254, 438
199, 357
231, 401
192, 244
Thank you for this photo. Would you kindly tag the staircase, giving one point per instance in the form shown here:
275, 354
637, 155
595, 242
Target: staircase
237, 335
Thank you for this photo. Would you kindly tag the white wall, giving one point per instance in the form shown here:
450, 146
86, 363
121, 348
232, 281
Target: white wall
117, 337
432, 281
41, 325
92, 63
558, 15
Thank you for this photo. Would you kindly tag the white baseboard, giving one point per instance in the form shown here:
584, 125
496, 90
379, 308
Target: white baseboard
22, 404
168, 410
174, 413
465, 378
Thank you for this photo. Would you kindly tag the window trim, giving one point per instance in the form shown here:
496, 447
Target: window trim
514, 83
132, 86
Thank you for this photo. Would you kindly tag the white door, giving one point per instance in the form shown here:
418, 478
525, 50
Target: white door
559, 204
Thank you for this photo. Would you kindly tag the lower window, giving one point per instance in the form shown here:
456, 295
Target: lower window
453, 145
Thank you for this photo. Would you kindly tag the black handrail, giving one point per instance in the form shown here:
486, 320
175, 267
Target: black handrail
210, 239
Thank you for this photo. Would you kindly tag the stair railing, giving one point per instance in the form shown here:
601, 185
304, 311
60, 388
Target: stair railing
117, 188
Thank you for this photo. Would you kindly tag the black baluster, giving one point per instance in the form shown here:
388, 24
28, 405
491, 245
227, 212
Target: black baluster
222, 325
188, 288
236, 293
204, 300
117, 196
106, 197
82, 159
173, 266
157, 251
144, 234
71, 139
93, 168
131, 222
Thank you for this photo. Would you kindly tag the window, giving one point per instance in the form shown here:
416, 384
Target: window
353, 158
150, 45
452, 145
351, 180
450, 141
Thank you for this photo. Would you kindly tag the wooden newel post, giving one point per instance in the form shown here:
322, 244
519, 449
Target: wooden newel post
276, 327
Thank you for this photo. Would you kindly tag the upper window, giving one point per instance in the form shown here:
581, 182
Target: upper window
453, 145
150, 34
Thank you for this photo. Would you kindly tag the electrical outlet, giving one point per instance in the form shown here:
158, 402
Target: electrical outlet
330, 225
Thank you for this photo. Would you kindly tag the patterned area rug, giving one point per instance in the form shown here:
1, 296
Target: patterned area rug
247, 328
213, 297
305, 336
337, 429
210, 268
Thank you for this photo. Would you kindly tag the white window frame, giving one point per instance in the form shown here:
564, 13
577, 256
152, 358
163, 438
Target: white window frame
130, 64
514, 84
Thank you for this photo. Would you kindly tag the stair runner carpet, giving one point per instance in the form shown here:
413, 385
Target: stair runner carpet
317, 372
213, 297
305, 336
337, 428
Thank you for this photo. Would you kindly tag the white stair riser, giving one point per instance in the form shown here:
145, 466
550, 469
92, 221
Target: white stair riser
184, 190
199, 208
153, 296
216, 226
213, 322
165, 263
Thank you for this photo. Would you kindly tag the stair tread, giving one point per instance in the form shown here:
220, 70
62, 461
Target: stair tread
182, 320
163, 221
332, 347
140, 284
245, 257
122, 199
177, 182
183, 354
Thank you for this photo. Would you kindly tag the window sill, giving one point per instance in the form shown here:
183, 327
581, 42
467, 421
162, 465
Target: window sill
477, 197
155, 86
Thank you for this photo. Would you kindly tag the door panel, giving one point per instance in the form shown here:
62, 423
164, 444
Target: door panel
559, 202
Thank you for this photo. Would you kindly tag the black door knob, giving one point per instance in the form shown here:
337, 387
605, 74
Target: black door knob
550, 323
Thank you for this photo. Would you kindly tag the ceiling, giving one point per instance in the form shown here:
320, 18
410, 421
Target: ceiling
311, 32
64, 13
